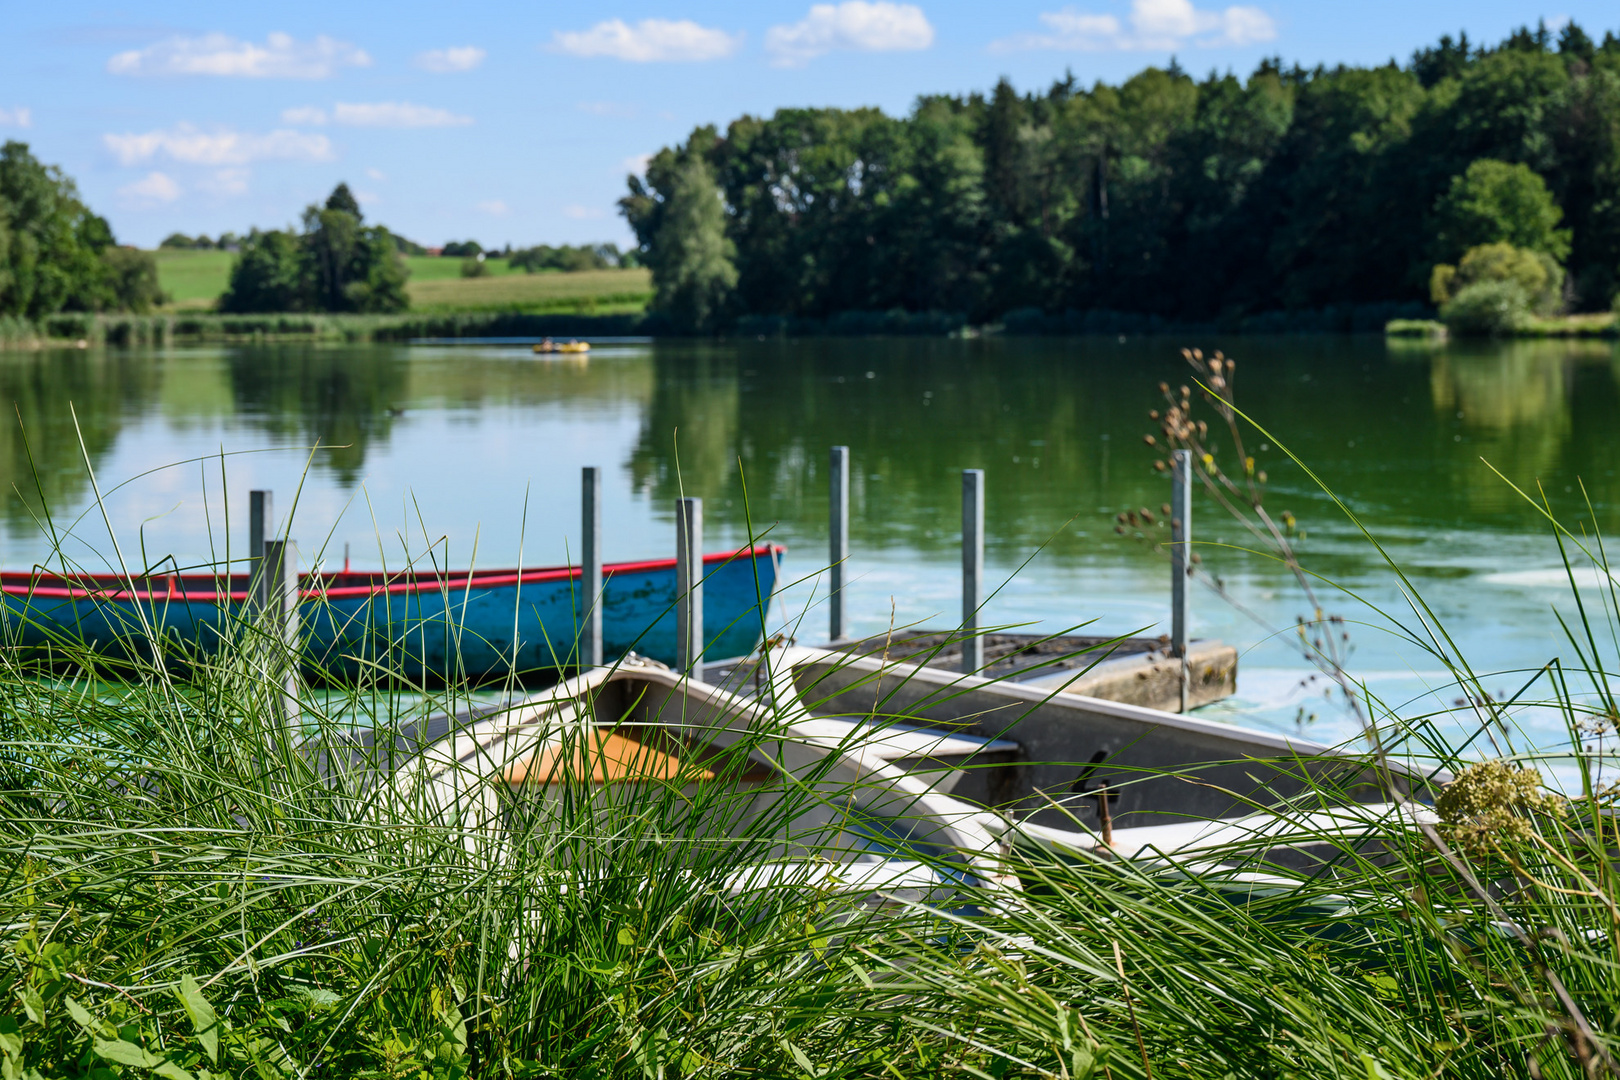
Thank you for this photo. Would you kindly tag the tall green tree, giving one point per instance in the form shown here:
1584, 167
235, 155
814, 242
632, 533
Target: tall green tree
694, 271
268, 275
55, 253
1495, 202
343, 199
336, 264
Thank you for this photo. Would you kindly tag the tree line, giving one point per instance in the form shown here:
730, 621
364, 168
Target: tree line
336, 263
566, 258
1191, 199
57, 255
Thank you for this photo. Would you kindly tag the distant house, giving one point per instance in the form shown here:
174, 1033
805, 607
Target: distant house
434, 251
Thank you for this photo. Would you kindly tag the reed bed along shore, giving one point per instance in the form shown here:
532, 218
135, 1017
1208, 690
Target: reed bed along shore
617, 316
197, 885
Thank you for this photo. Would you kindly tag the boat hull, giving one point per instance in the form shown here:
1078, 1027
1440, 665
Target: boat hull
433, 627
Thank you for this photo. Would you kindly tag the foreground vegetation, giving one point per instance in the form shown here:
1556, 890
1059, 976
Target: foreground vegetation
197, 889
1187, 199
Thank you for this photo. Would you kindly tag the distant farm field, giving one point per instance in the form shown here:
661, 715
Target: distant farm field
195, 279
601, 292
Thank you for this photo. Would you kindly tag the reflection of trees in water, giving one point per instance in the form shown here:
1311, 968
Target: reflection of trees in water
932, 409
1379, 426
343, 398
1513, 403
688, 440
42, 392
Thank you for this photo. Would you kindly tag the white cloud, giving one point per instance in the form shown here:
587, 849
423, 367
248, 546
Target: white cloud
397, 114
1153, 24
193, 146
649, 40
367, 198
226, 182
280, 57
377, 175
18, 117
304, 114
607, 108
455, 58
855, 24
582, 213
495, 207
154, 187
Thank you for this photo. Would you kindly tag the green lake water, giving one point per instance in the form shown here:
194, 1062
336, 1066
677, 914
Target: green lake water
478, 447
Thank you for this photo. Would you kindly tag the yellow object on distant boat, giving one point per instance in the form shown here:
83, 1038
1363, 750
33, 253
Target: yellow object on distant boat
569, 346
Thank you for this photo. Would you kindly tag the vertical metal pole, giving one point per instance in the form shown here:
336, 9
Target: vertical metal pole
261, 525
689, 586
281, 624
590, 576
1180, 558
972, 568
838, 540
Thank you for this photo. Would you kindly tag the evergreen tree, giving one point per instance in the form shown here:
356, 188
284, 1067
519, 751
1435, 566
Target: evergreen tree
343, 199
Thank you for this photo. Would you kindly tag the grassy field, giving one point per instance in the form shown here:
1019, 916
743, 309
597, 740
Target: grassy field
195, 279
433, 268
602, 292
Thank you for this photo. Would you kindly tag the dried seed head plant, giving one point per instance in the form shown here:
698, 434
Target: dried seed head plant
1323, 638
1493, 808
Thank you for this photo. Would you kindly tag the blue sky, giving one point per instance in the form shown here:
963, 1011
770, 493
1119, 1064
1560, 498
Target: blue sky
518, 123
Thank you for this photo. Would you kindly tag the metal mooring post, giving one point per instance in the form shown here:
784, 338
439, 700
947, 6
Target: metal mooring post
590, 576
281, 625
837, 540
972, 569
689, 586
261, 525
1180, 560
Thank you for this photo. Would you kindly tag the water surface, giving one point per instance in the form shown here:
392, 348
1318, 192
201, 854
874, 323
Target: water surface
477, 449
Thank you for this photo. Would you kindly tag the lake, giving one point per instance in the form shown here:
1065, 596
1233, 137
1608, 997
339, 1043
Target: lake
477, 447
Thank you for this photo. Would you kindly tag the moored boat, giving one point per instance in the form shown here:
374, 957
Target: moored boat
798, 805
433, 625
1083, 773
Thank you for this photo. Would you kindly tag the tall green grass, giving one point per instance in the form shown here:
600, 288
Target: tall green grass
194, 887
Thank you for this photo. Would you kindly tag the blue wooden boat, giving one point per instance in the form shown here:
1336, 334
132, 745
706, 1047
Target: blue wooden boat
432, 626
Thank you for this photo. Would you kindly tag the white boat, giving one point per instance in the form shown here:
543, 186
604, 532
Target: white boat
1088, 774
891, 779
843, 811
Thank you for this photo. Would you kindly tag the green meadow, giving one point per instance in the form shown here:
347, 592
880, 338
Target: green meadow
194, 280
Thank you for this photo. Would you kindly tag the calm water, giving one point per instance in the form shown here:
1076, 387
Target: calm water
477, 448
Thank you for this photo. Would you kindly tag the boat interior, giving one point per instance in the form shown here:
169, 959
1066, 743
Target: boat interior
1080, 771
706, 763
880, 770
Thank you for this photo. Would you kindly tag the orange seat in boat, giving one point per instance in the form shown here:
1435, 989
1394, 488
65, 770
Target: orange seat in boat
603, 757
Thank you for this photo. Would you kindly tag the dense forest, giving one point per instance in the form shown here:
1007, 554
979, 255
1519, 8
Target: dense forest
1191, 199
